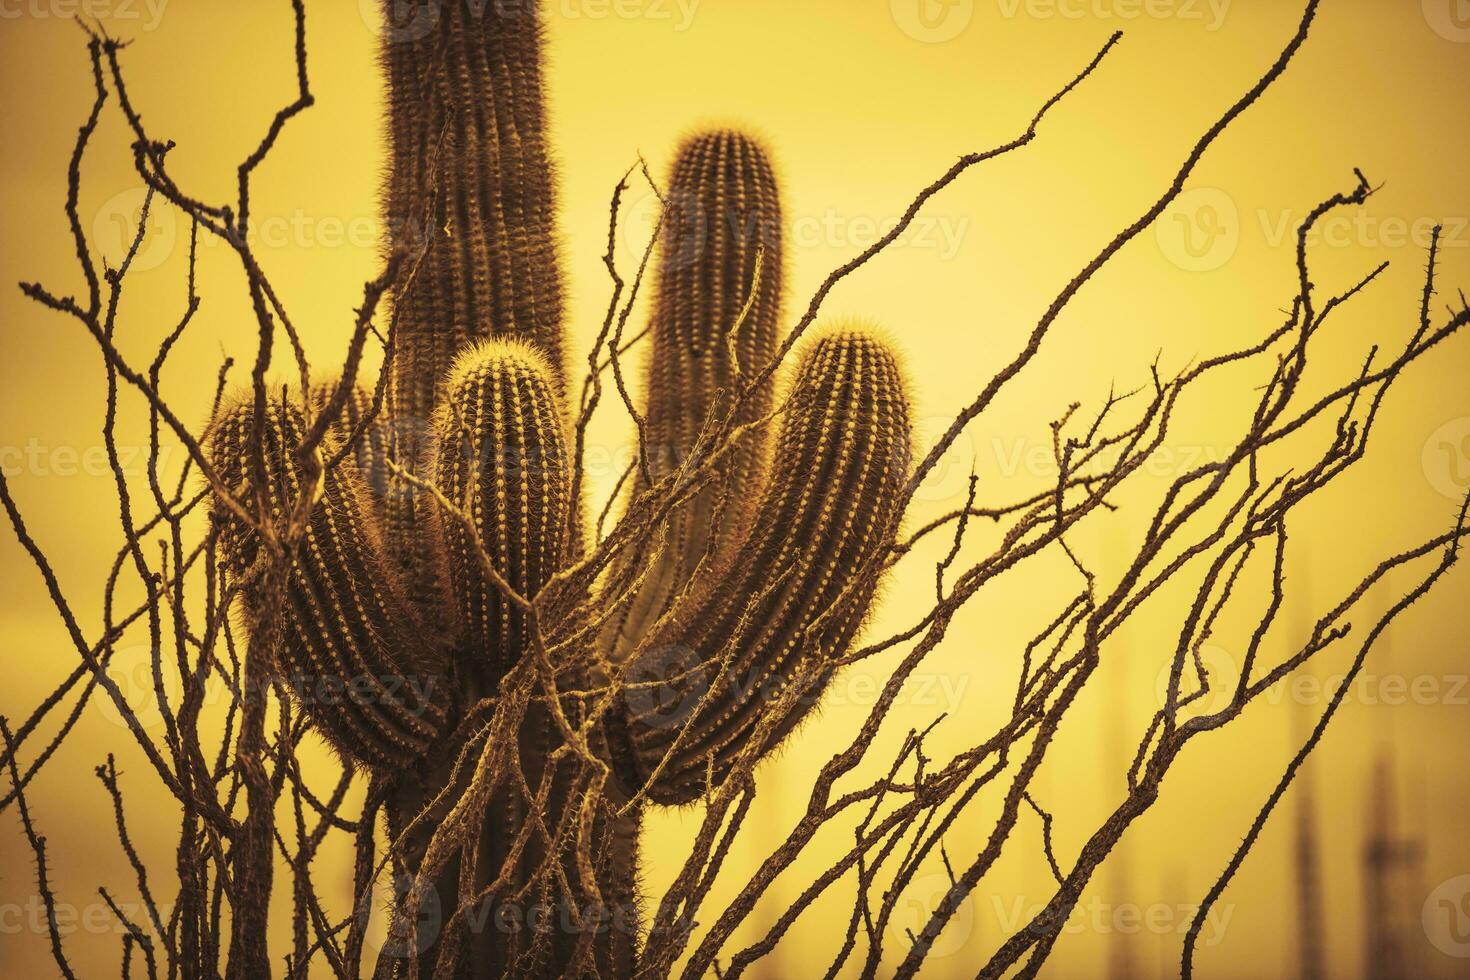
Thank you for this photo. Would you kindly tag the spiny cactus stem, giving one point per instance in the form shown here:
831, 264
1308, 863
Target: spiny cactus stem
715, 315
468, 151
592, 384
529, 606
639, 422
467, 522
493, 766
725, 659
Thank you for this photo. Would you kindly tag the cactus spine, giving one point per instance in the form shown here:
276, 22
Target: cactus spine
351, 648
723, 219
763, 577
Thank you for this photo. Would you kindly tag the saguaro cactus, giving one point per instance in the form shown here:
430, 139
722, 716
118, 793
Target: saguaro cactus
752, 574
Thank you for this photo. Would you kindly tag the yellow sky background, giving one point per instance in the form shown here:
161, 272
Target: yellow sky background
862, 104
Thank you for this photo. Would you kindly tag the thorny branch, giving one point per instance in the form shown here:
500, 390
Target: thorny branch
1213, 524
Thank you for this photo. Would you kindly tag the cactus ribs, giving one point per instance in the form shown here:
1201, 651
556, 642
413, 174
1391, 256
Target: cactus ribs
764, 568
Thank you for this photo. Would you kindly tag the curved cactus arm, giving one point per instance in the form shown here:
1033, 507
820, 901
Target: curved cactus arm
369, 450
471, 189
791, 597
350, 651
722, 220
500, 456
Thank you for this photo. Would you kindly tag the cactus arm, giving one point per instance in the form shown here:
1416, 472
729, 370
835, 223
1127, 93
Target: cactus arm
470, 184
500, 456
351, 650
369, 450
469, 170
793, 594
723, 217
